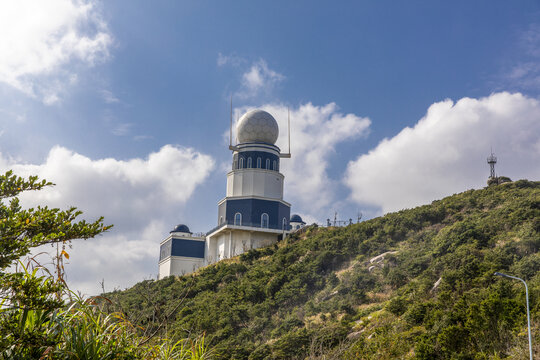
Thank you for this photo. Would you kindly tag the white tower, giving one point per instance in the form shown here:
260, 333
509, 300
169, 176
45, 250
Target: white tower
253, 213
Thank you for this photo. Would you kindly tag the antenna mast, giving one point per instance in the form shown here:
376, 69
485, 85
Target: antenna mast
230, 129
289, 127
288, 155
231, 147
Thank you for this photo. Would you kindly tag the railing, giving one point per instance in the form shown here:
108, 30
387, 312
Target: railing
216, 228
248, 224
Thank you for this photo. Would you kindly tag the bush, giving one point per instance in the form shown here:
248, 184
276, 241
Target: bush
397, 305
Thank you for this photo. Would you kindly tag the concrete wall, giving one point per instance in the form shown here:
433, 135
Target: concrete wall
178, 265
233, 242
255, 182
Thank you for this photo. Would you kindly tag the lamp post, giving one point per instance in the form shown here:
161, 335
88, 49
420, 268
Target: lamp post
527, 297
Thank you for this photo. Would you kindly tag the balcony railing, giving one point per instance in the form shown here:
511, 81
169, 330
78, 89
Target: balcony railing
248, 224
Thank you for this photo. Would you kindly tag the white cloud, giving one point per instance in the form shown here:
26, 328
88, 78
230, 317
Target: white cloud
109, 97
115, 125
50, 98
530, 40
233, 60
38, 39
259, 78
141, 197
525, 75
525, 72
18, 118
142, 137
315, 132
255, 80
122, 129
446, 151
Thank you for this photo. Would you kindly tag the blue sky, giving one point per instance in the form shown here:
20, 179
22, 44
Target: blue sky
125, 105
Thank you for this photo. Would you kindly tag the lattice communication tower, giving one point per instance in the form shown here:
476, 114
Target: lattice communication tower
492, 160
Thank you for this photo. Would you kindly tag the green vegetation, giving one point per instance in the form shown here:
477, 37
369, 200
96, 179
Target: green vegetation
317, 294
39, 317
493, 181
417, 284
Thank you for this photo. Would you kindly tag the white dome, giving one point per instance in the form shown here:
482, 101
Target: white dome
257, 126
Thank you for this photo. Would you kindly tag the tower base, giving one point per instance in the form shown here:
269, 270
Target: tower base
233, 240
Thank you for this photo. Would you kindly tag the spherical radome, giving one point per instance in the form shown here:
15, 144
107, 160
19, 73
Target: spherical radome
257, 126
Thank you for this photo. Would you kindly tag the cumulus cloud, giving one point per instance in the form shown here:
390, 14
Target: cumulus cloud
446, 151
141, 197
255, 80
39, 38
258, 78
315, 132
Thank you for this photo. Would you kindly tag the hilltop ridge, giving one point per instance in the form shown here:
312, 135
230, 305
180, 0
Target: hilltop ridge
412, 284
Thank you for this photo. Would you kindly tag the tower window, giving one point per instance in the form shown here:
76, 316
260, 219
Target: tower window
249, 163
264, 220
235, 164
220, 220
274, 167
267, 164
284, 223
259, 163
241, 163
237, 219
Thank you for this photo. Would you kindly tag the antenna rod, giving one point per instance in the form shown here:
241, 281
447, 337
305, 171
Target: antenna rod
230, 129
289, 131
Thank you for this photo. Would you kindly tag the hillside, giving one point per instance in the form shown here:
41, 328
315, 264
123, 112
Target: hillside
413, 284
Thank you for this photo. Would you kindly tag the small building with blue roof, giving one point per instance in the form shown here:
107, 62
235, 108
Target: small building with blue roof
181, 252
296, 222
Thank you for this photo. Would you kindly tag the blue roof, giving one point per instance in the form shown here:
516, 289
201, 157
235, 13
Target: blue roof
181, 228
296, 218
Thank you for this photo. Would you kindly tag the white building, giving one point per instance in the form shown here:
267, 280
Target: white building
181, 253
253, 213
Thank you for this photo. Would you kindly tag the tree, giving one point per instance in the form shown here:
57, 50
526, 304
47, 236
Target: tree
498, 180
26, 300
